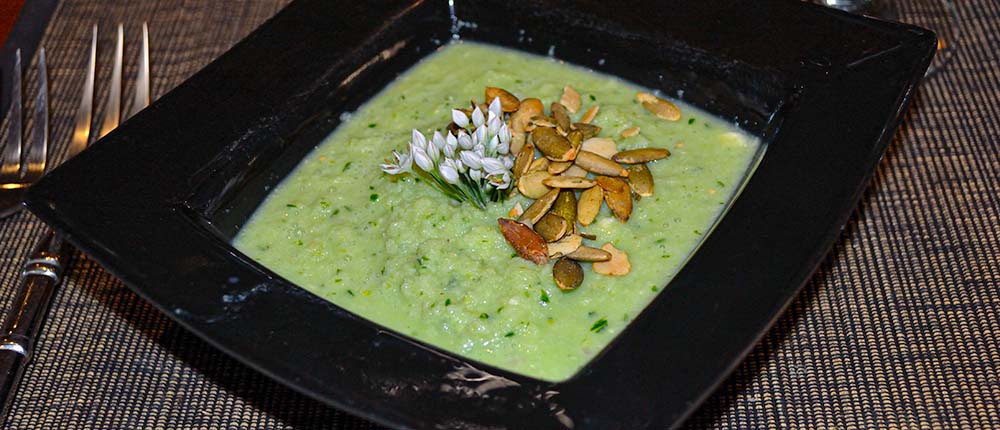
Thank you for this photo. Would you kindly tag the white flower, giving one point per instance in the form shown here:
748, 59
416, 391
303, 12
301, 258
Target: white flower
504, 134
438, 140
493, 124
421, 159
495, 107
480, 149
477, 117
403, 164
476, 174
493, 166
433, 152
491, 146
419, 140
449, 172
500, 181
458, 117
508, 162
471, 159
479, 136
503, 148
464, 140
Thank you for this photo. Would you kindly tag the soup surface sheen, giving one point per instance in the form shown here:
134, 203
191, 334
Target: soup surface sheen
397, 253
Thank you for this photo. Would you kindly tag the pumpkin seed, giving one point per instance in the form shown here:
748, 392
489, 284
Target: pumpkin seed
588, 116
629, 132
587, 253
618, 265
561, 115
528, 244
589, 205
570, 98
551, 227
642, 155
557, 167
588, 236
641, 180
543, 121
539, 164
508, 102
517, 141
617, 196
565, 206
661, 108
575, 171
532, 185
568, 274
603, 146
568, 182
592, 162
552, 145
523, 160
566, 245
539, 208
529, 108
588, 130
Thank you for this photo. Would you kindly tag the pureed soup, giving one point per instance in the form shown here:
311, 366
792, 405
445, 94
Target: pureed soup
394, 250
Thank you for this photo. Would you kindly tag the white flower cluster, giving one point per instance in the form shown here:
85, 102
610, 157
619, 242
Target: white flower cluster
472, 166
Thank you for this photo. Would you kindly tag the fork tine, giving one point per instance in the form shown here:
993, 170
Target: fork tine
34, 157
141, 99
84, 113
10, 164
112, 111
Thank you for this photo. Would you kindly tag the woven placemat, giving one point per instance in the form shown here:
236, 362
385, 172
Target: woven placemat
900, 327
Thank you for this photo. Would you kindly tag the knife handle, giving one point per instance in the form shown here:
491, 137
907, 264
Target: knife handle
39, 278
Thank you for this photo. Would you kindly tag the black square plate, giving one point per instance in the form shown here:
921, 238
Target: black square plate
157, 200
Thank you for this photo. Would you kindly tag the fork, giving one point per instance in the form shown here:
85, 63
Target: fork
16, 174
42, 271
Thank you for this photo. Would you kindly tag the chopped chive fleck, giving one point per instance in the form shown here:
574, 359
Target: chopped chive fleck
338, 280
372, 125
599, 325
373, 197
592, 98
518, 81
299, 242
665, 256
336, 211
350, 292
447, 302
324, 204
698, 232
499, 309
720, 183
661, 240
402, 96
291, 205
654, 288
691, 121
484, 316
509, 334
347, 165
545, 296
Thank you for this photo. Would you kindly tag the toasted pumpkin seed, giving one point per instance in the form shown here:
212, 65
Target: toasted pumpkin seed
575, 171
575, 138
557, 167
508, 102
543, 121
564, 246
523, 160
528, 244
532, 185
588, 253
641, 155
517, 141
589, 115
561, 115
539, 207
568, 274
568, 182
587, 236
629, 132
661, 108
528, 108
539, 164
640, 180
617, 196
588, 130
570, 98
603, 146
589, 205
552, 145
551, 227
618, 265
592, 162
565, 206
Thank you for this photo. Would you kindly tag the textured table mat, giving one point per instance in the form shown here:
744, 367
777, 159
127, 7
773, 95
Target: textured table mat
899, 328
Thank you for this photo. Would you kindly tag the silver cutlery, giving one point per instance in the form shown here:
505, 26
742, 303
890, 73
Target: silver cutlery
17, 170
43, 270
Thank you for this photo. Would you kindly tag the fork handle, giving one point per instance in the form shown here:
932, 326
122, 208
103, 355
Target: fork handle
42, 273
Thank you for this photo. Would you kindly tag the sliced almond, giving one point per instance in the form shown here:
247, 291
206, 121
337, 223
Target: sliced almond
564, 246
629, 132
540, 164
603, 146
589, 204
523, 160
617, 196
589, 115
618, 265
640, 180
554, 146
557, 167
532, 184
641, 155
587, 253
575, 171
508, 102
568, 182
592, 162
515, 211
551, 227
561, 115
570, 98
528, 244
661, 108
527, 109
539, 207
568, 274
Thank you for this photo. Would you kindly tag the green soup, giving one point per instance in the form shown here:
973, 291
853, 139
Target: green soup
398, 253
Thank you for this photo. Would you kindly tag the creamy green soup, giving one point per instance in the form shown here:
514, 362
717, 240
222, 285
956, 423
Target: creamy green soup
394, 251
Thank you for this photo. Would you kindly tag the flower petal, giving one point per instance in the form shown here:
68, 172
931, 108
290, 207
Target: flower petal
477, 117
458, 117
495, 106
